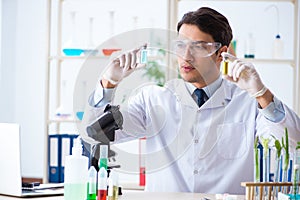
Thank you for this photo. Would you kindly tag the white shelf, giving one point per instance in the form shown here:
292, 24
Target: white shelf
63, 120
77, 57
292, 1
271, 61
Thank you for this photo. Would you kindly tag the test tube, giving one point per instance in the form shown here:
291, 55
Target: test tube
103, 156
113, 185
144, 56
91, 186
102, 184
225, 66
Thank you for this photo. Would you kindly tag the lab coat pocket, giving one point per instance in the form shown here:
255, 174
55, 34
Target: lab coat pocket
232, 142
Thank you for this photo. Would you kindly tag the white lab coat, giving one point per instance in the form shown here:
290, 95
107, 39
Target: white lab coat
191, 149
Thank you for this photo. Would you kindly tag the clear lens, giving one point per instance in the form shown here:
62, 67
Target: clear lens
195, 48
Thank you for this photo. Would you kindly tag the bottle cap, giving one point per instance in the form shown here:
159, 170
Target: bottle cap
102, 179
114, 177
77, 147
92, 173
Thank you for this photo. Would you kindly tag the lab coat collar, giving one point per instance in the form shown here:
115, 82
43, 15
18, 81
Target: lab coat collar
219, 99
209, 89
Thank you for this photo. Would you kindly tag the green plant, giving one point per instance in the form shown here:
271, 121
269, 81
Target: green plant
285, 145
265, 144
266, 167
298, 146
278, 147
155, 73
256, 158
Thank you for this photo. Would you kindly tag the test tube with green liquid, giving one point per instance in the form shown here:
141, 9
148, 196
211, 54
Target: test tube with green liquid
103, 156
91, 186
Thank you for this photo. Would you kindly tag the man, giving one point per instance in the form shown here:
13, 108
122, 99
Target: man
198, 140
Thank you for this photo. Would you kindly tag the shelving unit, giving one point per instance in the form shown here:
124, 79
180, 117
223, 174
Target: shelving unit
55, 59
294, 62
55, 66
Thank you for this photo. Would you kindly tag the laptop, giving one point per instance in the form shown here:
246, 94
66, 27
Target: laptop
10, 167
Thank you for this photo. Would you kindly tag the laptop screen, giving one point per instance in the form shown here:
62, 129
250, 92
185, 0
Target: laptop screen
10, 159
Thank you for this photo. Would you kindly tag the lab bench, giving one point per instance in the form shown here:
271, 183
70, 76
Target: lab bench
138, 194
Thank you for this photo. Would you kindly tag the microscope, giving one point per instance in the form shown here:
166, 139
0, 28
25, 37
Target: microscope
102, 130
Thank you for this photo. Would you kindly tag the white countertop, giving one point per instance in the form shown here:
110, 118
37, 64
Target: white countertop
138, 195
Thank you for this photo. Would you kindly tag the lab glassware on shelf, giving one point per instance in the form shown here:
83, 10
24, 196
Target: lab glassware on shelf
112, 46
71, 46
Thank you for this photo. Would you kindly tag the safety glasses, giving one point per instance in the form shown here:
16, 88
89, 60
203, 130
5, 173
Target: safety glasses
195, 48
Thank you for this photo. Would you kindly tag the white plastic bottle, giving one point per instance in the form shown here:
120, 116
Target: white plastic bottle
278, 47
76, 173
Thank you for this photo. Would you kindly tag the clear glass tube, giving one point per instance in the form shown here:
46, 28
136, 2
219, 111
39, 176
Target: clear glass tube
296, 168
278, 165
256, 170
256, 165
266, 165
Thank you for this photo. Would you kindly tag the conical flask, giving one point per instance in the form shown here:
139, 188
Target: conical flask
111, 45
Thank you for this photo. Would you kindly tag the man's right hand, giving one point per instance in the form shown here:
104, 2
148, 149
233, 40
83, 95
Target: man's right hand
122, 66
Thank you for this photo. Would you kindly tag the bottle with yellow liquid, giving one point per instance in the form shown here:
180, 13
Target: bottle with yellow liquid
113, 185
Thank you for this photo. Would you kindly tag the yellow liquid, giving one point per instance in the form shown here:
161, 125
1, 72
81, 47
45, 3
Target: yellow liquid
114, 194
225, 67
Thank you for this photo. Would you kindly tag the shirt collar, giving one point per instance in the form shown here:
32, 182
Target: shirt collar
209, 89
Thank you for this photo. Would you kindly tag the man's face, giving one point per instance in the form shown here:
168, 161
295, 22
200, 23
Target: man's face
194, 67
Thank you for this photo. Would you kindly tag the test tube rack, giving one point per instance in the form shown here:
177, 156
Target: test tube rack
265, 190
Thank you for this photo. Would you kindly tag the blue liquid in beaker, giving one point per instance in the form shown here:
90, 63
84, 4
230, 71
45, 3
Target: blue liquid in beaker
72, 52
79, 115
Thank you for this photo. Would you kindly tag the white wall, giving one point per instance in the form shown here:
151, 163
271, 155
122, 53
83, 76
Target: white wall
0, 41
23, 64
23, 77
253, 17
8, 68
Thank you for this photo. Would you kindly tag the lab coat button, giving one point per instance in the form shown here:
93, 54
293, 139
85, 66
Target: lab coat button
195, 171
196, 141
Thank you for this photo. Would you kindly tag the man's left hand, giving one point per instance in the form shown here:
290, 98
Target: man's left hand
244, 75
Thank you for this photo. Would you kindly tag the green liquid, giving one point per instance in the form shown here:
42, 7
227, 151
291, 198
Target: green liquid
103, 163
75, 191
91, 192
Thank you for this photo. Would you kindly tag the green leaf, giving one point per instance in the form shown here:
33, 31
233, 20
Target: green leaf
255, 142
257, 172
265, 144
285, 144
277, 146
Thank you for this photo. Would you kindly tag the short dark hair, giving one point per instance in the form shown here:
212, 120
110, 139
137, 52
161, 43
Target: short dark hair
211, 22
